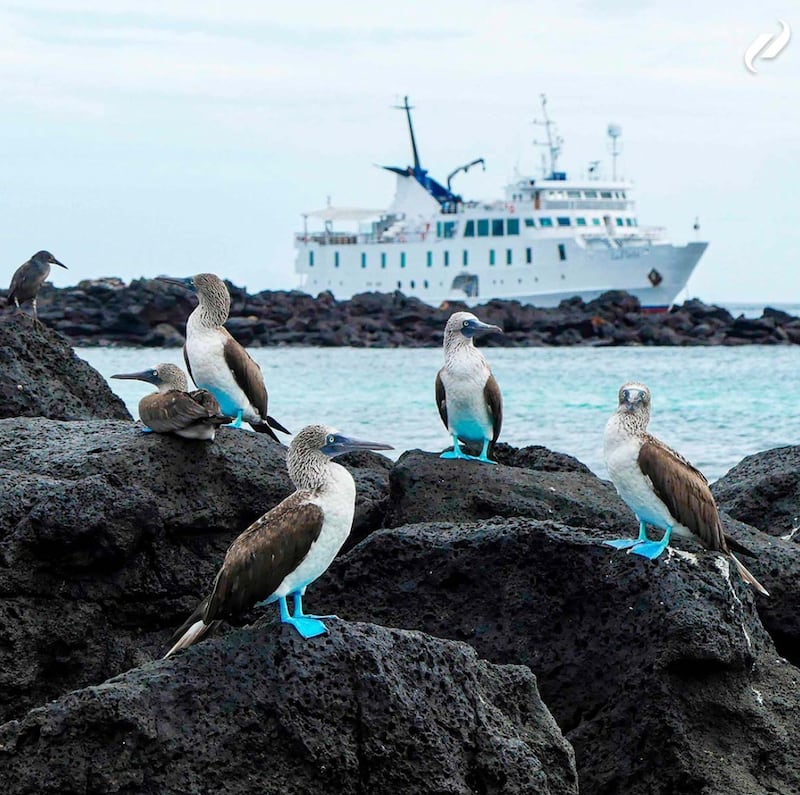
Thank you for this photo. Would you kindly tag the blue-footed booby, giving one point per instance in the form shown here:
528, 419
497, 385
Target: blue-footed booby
660, 486
467, 395
29, 278
192, 415
289, 547
218, 363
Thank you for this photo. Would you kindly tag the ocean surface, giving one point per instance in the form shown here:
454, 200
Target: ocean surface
715, 405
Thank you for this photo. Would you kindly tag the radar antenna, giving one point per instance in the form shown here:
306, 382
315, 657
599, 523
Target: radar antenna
615, 147
554, 140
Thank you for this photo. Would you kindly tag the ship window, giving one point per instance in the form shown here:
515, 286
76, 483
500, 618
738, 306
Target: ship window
545, 222
449, 229
619, 222
616, 194
483, 227
465, 258
529, 222
562, 252
429, 258
512, 226
469, 229
399, 285
310, 259
438, 229
629, 222
580, 221
528, 256
590, 194
412, 285
425, 284
573, 194
635, 222
491, 256
605, 194
497, 227
596, 221
402, 259
508, 256
446, 259
383, 259
563, 221
363, 259
335, 259
622, 193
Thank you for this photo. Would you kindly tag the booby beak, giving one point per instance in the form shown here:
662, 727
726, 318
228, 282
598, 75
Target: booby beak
150, 376
339, 443
474, 327
186, 282
632, 399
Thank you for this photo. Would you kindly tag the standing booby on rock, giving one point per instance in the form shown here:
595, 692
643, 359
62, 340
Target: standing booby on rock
218, 363
192, 415
467, 395
660, 486
29, 278
289, 547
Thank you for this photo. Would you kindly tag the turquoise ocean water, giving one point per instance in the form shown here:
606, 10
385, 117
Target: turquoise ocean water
715, 405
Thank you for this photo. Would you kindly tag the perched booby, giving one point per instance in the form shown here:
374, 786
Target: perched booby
29, 278
467, 395
660, 486
218, 363
285, 550
192, 415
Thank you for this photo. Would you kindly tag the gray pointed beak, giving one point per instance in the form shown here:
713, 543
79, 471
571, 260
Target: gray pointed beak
480, 326
144, 375
186, 282
347, 444
54, 261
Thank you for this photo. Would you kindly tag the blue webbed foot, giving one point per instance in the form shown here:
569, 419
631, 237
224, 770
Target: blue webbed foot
306, 626
483, 459
237, 423
624, 543
146, 430
650, 549
455, 453
298, 609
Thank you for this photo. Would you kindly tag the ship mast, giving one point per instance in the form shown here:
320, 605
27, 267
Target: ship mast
407, 108
554, 140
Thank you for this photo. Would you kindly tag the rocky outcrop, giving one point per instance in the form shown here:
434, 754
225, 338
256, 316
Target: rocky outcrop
148, 312
659, 673
361, 710
539, 484
40, 376
108, 538
763, 490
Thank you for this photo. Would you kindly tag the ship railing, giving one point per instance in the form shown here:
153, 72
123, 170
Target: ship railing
323, 239
604, 204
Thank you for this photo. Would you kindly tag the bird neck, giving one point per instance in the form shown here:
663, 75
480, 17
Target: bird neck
213, 309
313, 471
634, 423
457, 345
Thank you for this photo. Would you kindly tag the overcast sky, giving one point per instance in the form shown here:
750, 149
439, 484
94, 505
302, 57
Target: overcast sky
141, 137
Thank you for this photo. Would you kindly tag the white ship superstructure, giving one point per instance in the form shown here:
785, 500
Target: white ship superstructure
548, 239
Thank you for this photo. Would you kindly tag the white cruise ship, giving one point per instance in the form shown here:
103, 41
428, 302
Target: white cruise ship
549, 239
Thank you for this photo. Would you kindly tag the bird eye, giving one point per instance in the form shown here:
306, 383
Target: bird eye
155, 372
626, 395
466, 323
331, 439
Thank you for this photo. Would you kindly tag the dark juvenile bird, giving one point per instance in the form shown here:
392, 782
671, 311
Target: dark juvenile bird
192, 415
29, 278
289, 547
660, 486
218, 363
467, 394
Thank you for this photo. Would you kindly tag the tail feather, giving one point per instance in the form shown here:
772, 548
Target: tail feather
262, 427
192, 630
276, 425
747, 576
738, 546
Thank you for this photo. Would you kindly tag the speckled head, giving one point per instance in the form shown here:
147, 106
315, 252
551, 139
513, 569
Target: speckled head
634, 398
464, 325
165, 376
311, 449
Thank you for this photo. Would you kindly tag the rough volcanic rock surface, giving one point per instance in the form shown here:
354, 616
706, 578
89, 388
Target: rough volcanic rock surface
541, 485
763, 490
109, 537
363, 709
148, 312
659, 672
40, 376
